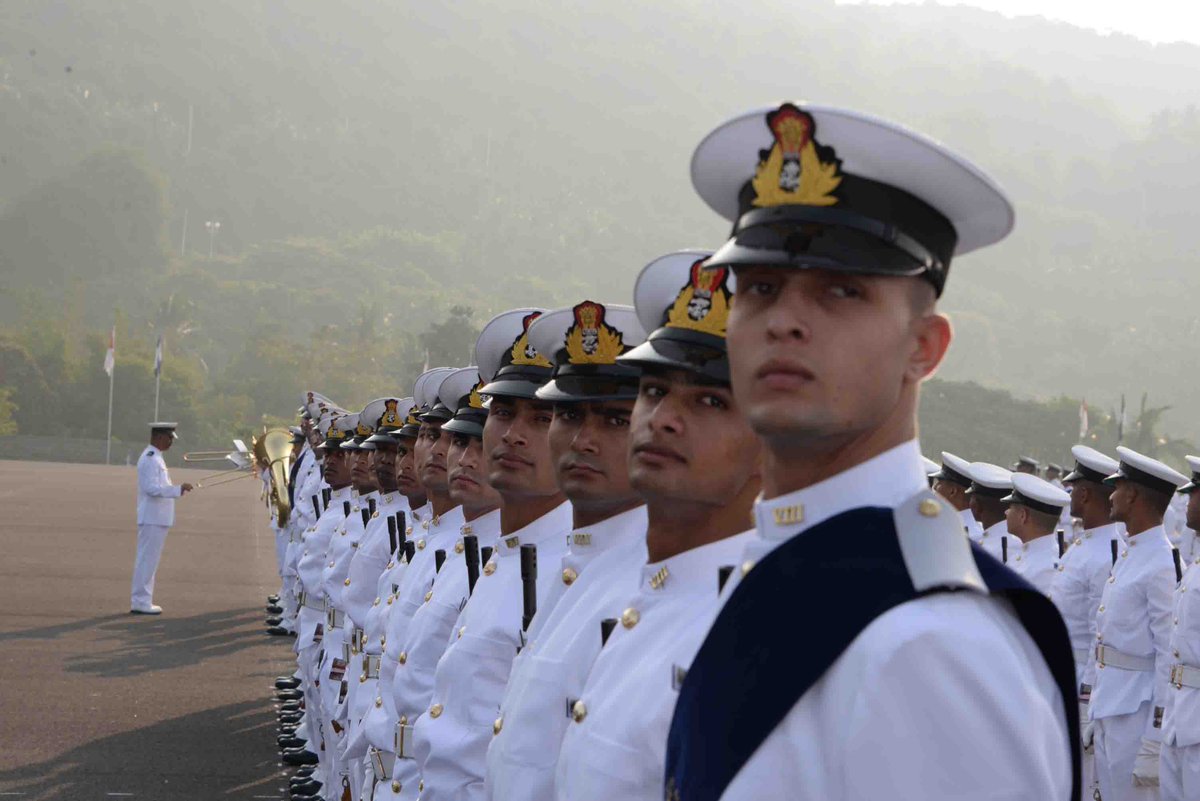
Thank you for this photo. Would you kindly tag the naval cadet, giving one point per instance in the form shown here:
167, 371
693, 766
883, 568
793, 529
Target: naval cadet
990, 483
155, 516
1083, 573
952, 481
1034, 508
1027, 464
697, 462
1179, 765
1133, 633
451, 737
844, 228
593, 396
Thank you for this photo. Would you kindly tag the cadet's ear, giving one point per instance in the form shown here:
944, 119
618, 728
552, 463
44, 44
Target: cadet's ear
932, 334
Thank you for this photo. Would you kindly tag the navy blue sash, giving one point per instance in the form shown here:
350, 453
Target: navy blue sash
840, 576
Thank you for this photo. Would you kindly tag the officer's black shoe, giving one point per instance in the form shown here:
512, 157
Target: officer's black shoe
272, 599
290, 706
280, 631
275, 609
289, 695
288, 743
309, 790
274, 621
303, 775
292, 719
299, 756
287, 683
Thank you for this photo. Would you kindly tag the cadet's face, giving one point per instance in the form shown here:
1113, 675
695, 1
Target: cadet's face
1122, 500
468, 478
383, 463
431, 457
820, 356
1014, 517
516, 444
360, 466
590, 446
951, 492
406, 467
336, 468
689, 441
1193, 511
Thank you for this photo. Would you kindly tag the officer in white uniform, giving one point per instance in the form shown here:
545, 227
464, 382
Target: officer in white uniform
1179, 766
593, 397
1083, 573
844, 228
990, 483
1034, 509
1133, 632
451, 737
952, 481
155, 516
697, 462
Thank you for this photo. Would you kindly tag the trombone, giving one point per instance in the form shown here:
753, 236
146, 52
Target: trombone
241, 458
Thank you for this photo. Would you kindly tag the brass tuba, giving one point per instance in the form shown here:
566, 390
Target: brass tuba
273, 450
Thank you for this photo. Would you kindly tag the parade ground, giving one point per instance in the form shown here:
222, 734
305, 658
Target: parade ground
96, 703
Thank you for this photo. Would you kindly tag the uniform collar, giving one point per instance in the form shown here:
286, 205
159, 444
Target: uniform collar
450, 520
486, 527
551, 524
421, 514
1042, 543
588, 542
1149, 535
999, 529
344, 494
886, 480
694, 570
1106, 532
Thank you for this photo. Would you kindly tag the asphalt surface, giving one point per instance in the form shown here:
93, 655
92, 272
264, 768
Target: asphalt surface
98, 704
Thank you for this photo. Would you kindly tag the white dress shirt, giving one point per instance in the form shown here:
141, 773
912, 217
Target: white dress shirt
617, 748
452, 736
1181, 722
312, 566
156, 493
1035, 561
598, 575
1076, 589
943, 697
993, 538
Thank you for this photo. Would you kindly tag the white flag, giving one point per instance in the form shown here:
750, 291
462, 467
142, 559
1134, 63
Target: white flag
158, 354
110, 358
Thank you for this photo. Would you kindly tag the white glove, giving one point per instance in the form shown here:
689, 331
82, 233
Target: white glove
1145, 764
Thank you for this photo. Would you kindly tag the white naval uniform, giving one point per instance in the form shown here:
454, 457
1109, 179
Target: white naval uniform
429, 634
1035, 561
155, 516
993, 538
598, 574
617, 748
1179, 765
1135, 619
885, 721
452, 736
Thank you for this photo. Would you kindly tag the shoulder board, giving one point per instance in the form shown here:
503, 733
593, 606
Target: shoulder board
936, 552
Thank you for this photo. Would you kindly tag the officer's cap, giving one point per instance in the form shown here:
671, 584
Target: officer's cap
686, 309
989, 480
314, 403
1027, 461
297, 435
460, 391
584, 342
1194, 466
1038, 494
391, 420
507, 362
1150, 473
955, 470
164, 428
931, 467
1090, 465
432, 409
810, 186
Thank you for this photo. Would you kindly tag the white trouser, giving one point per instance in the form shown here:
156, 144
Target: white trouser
149, 550
1117, 741
1179, 772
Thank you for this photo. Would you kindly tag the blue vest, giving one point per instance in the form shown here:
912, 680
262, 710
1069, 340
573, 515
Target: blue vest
747, 677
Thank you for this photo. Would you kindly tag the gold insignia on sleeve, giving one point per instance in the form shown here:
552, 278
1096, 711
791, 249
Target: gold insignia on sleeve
590, 340
703, 303
797, 170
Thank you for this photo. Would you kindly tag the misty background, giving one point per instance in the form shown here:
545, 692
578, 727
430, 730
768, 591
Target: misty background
387, 176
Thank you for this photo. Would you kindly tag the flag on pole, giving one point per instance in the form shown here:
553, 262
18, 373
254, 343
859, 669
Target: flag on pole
158, 354
110, 358
1083, 420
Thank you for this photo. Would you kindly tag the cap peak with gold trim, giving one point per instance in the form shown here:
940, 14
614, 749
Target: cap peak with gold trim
586, 340
460, 391
508, 364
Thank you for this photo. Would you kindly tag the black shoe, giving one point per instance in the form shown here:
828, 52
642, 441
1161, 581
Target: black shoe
300, 756
303, 775
309, 789
280, 631
290, 706
272, 599
287, 683
293, 720
288, 743
289, 695
274, 609
274, 621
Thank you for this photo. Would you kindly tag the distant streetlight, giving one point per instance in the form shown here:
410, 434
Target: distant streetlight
212, 227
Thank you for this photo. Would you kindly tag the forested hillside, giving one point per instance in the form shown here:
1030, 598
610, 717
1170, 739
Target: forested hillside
374, 165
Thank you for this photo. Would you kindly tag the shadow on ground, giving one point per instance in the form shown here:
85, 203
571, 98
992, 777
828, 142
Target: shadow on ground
222, 753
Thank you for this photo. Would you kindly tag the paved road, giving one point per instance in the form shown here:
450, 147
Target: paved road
97, 704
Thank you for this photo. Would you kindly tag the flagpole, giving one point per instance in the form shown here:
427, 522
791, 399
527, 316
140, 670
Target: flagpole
108, 446
156, 380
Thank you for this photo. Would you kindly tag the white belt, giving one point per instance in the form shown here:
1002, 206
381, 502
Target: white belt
382, 763
1185, 676
309, 602
371, 664
1107, 656
404, 741
334, 617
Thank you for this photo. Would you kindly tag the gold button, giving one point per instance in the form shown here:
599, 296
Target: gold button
1124, 553
428, 595
747, 566
498, 725
362, 679
1101, 609
569, 576
578, 712
420, 545
489, 568
383, 641
421, 786
403, 657
390, 565
404, 720
390, 599
460, 632
378, 701
395, 786
458, 547
346, 582
435, 711
376, 602
630, 618
1111, 579
929, 507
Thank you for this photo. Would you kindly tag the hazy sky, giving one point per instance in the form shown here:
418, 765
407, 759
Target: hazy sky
1153, 20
